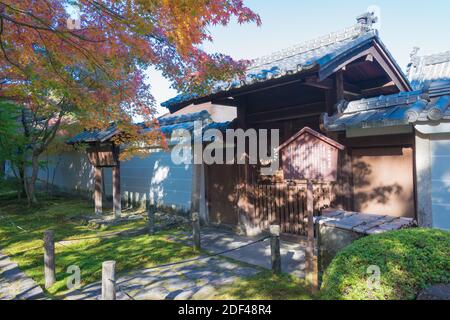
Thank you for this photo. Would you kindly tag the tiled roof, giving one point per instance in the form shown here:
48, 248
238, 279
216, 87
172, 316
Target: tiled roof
423, 70
429, 76
167, 126
305, 56
393, 110
94, 135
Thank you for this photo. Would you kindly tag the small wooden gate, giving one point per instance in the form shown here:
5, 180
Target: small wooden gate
284, 204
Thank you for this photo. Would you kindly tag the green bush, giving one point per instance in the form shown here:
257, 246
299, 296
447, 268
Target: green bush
409, 260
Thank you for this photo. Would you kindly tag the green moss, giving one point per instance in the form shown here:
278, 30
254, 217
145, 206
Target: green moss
21, 233
409, 260
266, 286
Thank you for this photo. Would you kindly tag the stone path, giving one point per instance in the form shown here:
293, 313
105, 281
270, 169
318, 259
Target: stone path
195, 280
15, 284
258, 254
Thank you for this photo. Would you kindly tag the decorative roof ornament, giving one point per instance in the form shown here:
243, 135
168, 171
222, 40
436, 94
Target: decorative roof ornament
367, 19
413, 61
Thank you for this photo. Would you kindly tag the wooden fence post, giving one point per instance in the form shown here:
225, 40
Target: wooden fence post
196, 230
311, 261
151, 218
275, 248
109, 280
98, 190
49, 259
117, 198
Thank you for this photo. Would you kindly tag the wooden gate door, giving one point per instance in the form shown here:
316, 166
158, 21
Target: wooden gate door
221, 194
285, 205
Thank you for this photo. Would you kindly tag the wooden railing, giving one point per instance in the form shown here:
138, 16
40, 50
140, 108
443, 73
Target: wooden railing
284, 204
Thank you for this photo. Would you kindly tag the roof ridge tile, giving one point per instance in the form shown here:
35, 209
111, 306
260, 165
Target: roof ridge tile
348, 33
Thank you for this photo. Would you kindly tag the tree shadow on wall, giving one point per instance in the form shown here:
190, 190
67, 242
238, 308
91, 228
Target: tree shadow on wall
362, 173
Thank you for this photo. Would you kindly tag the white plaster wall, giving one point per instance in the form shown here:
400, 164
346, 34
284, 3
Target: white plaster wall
155, 178
73, 172
440, 175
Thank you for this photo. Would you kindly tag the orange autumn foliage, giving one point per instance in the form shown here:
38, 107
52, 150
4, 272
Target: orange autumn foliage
94, 68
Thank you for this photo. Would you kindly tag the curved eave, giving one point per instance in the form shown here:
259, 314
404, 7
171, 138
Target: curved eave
234, 92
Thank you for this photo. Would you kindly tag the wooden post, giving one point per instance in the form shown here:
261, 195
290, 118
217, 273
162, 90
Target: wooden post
195, 204
117, 200
196, 184
98, 190
109, 280
311, 261
151, 217
275, 248
49, 259
196, 230
339, 85
318, 262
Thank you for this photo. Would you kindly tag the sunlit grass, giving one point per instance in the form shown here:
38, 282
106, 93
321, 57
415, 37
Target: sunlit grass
21, 234
266, 286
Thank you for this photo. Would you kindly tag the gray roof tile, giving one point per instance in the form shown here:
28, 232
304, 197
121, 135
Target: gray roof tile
393, 110
167, 124
317, 52
423, 70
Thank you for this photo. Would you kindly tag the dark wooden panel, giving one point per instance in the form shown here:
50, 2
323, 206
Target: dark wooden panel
222, 195
284, 204
383, 181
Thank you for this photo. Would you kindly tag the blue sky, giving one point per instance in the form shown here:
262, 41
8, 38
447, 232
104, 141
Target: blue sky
404, 24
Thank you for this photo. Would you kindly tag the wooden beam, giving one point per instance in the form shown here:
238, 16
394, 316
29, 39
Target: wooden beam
390, 68
242, 116
98, 190
287, 113
329, 84
351, 89
288, 129
225, 102
195, 193
311, 274
390, 85
356, 64
117, 203
326, 84
339, 83
330, 101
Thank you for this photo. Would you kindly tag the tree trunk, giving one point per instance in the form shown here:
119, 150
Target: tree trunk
55, 169
30, 184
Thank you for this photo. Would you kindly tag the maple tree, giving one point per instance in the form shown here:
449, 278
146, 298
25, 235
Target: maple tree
94, 68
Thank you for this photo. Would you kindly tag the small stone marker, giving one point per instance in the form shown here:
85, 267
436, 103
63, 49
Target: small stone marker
109, 280
196, 230
275, 248
49, 259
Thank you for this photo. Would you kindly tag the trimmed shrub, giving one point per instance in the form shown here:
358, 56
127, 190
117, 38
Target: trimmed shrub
408, 260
